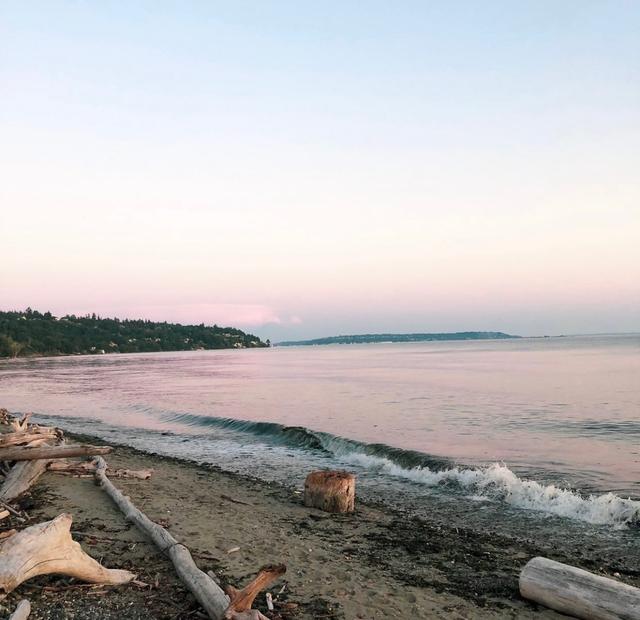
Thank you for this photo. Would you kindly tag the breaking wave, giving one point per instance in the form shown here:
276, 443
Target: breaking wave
496, 482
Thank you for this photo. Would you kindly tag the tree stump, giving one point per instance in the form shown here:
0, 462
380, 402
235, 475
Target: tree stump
331, 491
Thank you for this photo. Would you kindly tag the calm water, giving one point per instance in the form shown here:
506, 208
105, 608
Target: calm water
543, 426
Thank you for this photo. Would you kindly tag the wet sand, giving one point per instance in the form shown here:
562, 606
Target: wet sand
375, 563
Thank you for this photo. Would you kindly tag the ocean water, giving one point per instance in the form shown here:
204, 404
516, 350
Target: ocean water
535, 433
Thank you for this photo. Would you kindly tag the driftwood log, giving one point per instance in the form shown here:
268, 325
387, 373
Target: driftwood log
30, 453
331, 491
88, 468
207, 592
24, 437
48, 548
22, 611
577, 592
23, 474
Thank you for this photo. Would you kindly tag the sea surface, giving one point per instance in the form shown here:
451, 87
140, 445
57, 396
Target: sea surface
540, 434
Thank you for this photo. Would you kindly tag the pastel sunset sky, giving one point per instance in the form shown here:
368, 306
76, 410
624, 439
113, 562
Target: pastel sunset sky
305, 169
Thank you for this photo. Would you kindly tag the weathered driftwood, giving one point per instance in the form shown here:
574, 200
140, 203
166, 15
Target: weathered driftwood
207, 592
205, 589
48, 548
19, 424
20, 478
29, 453
22, 610
577, 592
241, 600
6, 534
331, 491
24, 437
23, 475
89, 468
4, 514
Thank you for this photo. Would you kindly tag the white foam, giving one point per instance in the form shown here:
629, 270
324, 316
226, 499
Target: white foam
499, 481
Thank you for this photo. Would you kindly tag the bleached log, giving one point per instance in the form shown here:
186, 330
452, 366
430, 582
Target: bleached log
331, 491
20, 478
4, 514
48, 548
89, 467
23, 475
22, 610
577, 592
206, 591
24, 437
28, 453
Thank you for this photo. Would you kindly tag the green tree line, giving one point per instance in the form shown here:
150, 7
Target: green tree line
29, 332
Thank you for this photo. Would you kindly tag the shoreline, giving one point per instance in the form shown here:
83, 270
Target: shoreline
376, 563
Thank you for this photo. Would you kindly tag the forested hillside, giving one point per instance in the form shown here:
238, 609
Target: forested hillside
29, 332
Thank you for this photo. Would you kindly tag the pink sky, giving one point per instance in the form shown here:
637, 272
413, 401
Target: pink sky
300, 177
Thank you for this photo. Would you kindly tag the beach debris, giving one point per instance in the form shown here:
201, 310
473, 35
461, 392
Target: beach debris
17, 424
219, 606
241, 600
206, 591
22, 610
33, 453
6, 534
233, 550
47, 548
234, 501
577, 592
269, 599
331, 491
4, 514
29, 449
18, 438
88, 468
21, 477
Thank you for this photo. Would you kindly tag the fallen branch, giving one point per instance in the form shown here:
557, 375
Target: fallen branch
577, 592
241, 600
22, 610
48, 548
206, 591
29, 453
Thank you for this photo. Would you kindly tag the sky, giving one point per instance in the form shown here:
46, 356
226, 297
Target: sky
304, 169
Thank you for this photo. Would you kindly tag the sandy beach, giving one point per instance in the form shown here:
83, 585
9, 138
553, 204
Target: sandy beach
375, 563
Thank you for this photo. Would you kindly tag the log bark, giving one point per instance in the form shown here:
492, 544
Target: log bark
28, 453
577, 592
207, 592
48, 548
22, 611
331, 491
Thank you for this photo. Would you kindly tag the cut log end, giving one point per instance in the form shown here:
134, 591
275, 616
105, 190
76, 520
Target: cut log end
331, 491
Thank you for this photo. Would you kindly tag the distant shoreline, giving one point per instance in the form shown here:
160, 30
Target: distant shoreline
391, 338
